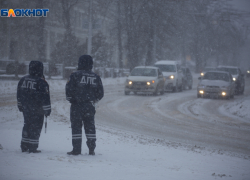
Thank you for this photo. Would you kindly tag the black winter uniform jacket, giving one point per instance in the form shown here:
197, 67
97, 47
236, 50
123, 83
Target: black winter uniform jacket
33, 91
84, 86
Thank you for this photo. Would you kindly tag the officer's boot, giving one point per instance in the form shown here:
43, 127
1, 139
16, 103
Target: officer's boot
73, 153
34, 151
91, 152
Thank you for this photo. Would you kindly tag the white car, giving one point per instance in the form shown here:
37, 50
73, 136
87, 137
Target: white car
147, 79
172, 72
217, 84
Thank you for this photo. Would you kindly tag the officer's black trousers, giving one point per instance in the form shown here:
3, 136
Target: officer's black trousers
83, 115
33, 124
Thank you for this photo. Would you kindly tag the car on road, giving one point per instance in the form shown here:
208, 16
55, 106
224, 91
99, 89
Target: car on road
147, 79
218, 84
187, 79
172, 72
238, 77
248, 72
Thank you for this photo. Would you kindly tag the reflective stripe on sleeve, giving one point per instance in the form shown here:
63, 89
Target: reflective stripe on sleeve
48, 107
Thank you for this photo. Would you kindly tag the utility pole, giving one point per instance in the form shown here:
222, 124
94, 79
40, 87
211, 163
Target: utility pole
90, 27
119, 34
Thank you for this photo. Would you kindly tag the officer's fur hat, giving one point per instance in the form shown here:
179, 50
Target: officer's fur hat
85, 62
36, 68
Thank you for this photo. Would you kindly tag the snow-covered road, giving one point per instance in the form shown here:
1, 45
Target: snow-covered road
178, 117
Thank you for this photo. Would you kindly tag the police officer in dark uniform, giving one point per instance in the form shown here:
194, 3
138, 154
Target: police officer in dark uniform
83, 90
33, 99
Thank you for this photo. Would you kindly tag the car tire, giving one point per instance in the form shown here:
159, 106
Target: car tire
162, 91
126, 92
198, 96
242, 91
175, 89
184, 84
181, 88
236, 92
156, 91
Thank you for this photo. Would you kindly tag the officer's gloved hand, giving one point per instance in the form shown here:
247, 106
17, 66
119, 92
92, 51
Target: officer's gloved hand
20, 108
72, 101
94, 102
47, 113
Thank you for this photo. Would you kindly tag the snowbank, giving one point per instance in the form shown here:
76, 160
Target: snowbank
239, 108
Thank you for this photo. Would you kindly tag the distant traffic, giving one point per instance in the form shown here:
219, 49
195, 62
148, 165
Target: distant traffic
170, 76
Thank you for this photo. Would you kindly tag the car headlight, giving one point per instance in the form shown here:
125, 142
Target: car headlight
234, 79
129, 82
150, 82
248, 71
171, 77
201, 92
202, 74
223, 93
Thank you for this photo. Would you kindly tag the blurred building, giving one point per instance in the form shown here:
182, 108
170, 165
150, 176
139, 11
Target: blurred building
20, 36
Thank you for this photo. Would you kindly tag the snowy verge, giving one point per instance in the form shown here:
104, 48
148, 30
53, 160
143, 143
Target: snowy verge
119, 155
239, 108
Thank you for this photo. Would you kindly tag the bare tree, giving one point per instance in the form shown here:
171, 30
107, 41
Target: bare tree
69, 38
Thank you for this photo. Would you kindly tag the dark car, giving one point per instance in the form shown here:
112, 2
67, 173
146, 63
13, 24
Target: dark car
187, 79
238, 77
248, 72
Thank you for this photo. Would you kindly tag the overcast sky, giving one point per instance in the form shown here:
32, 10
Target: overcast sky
242, 4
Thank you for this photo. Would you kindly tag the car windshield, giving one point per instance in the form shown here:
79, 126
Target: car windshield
209, 69
144, 72
216, 76
183, 70
166, 67
233, 71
